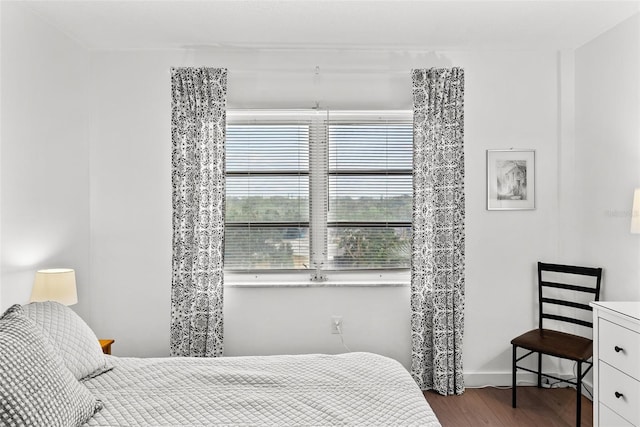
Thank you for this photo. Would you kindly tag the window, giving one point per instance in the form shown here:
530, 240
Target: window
370, 193
318, 190
267, 200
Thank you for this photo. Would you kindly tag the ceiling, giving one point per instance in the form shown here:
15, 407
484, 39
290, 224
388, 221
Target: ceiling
334, 24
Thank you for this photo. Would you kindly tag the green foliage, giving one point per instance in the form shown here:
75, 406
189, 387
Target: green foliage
356, 247
258, 248
372, 247
267, 209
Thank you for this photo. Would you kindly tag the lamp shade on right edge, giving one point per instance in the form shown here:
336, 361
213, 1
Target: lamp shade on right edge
635, 212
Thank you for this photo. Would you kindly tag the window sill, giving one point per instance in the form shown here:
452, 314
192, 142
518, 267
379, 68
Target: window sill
327, 284
333, 279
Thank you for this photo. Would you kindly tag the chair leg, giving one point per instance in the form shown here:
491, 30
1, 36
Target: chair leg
579, 394
539, 370
513, 379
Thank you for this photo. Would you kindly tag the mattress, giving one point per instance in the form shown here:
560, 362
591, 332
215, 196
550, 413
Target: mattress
354, 389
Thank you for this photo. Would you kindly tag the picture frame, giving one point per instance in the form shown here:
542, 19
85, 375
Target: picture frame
511, 179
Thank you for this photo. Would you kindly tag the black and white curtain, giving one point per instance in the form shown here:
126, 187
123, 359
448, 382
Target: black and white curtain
437, 262
198, 121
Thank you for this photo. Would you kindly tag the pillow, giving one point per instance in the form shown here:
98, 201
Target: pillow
36, 389
71, 336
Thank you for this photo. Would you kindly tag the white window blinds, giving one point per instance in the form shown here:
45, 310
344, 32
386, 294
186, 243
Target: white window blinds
307, 190
370, 190
267, 203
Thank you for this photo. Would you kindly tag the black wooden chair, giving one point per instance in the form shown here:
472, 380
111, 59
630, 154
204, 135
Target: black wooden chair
568, 296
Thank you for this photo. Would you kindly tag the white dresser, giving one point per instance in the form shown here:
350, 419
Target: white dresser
616, 364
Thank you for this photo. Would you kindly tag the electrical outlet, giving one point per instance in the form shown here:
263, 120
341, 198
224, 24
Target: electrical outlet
336, 321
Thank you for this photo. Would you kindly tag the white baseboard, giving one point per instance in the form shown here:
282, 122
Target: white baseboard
503, 379
497, 379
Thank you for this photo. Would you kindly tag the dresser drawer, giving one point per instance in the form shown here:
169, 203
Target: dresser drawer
608, 418
612, 337
613, 381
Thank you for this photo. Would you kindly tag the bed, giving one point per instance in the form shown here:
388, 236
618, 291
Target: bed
353, 389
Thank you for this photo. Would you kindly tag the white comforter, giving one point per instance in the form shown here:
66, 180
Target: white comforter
356, 389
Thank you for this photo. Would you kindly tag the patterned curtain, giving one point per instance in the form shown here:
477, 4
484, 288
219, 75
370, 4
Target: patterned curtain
198, 117
437, 260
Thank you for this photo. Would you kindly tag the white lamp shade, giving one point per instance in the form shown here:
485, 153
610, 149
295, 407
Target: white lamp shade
56, 284
635, 212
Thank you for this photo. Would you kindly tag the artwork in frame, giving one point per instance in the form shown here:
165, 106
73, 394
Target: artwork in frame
511, 179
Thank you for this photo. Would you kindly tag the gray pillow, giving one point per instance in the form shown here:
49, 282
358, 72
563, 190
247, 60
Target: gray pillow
71, 336
36, 389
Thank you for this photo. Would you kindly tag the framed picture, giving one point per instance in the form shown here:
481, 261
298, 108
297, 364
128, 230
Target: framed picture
511, 179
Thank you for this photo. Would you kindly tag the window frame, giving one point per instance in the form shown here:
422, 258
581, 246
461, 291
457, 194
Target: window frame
319, 122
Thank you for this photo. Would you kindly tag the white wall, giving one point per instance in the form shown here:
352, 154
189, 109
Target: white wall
510, 101
607, 156
44, 153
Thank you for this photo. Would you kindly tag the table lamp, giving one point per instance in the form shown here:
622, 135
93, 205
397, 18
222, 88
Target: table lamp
55, 284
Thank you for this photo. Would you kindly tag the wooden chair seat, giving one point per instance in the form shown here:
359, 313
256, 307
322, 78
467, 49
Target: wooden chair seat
556, 343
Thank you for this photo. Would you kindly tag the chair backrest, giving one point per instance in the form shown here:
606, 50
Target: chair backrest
576, 294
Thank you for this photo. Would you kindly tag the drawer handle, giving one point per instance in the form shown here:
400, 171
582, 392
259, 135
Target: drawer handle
618, 349
619, 395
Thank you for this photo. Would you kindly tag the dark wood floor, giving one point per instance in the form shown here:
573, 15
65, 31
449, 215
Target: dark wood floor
492, 407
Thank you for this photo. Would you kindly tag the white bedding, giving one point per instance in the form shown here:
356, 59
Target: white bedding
356, 389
